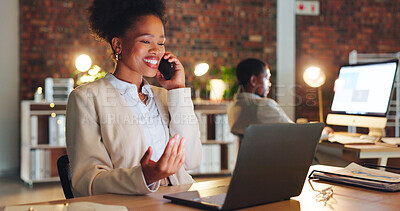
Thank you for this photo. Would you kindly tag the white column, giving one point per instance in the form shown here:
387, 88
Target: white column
9, 91
285, 55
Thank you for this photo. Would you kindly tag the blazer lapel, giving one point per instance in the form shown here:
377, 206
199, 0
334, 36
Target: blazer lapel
162, 108
123, 109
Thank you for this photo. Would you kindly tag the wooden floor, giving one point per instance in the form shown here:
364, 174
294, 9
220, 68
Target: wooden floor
13, 191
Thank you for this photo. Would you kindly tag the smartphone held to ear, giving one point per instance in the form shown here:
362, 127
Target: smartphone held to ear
166, 69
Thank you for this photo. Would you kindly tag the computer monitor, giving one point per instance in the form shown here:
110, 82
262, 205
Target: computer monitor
362, 96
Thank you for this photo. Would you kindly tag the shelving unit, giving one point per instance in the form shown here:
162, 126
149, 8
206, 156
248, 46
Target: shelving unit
220, 147
39, 150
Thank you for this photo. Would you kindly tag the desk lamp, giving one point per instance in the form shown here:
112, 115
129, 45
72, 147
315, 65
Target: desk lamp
314, 77
217, 89
83, 64
199, 71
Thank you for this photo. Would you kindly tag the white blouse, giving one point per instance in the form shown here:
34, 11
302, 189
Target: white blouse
147, 114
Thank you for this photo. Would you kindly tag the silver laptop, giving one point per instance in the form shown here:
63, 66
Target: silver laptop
272, 165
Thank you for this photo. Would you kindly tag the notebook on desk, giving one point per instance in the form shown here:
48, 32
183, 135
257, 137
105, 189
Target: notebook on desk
272, 165
343, 138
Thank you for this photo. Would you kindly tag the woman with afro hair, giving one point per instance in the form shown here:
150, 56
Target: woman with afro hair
125, 136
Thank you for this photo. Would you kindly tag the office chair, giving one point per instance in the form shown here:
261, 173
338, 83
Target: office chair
64, 172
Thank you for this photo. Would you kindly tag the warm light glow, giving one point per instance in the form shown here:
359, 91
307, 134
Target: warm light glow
217, 89
339, 83
201, 69
314, 77
39, 90
52, 105
83, 63
96, 69
53, 114
86, 78
313, 72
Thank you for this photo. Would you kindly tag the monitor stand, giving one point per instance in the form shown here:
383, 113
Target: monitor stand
376, 132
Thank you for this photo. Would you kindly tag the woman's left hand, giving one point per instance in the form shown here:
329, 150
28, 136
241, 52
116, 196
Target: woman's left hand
178, 75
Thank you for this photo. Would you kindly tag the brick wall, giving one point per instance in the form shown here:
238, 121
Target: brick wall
368, 26
54, 33
221, 33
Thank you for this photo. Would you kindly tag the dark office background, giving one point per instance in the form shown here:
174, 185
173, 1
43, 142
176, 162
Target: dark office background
221, 33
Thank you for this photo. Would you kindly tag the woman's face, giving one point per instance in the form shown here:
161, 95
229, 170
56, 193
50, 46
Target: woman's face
142, 46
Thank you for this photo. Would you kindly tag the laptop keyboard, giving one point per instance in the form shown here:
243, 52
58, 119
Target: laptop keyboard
215, 199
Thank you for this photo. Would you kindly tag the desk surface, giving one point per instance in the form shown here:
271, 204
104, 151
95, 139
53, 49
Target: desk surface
344, 198
372, 148
361, 147
364, 151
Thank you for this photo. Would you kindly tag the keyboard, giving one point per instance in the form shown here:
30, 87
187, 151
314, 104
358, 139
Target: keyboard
345, 139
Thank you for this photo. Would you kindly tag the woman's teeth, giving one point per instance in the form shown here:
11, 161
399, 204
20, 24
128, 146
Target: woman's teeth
151, 61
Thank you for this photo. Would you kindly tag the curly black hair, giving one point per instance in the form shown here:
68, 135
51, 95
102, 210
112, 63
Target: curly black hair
112, 18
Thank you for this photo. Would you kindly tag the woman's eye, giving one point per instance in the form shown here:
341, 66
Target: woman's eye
161, 43
145, 42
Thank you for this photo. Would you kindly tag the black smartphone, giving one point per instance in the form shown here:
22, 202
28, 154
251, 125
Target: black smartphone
165, 68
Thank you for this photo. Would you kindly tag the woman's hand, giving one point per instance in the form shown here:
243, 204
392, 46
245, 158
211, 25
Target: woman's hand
178, 75
169, 163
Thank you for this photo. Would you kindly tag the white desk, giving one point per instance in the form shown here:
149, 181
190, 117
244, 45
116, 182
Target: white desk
382, 153
362, 151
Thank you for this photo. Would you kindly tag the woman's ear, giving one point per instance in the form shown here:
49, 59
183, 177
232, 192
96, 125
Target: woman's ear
116, 44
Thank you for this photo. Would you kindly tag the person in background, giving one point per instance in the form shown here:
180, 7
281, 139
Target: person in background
125, 136
251, 104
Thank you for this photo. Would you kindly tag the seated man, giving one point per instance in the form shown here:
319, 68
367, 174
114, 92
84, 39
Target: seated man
251, 105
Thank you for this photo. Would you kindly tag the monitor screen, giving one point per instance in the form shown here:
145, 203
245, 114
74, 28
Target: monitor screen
364, 89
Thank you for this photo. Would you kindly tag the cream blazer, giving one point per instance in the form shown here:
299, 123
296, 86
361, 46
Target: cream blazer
105, 143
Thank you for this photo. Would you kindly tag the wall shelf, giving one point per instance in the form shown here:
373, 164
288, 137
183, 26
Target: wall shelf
42, 140
220, 146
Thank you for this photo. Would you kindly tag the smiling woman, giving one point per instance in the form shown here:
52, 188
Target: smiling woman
124, 135
141, 49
